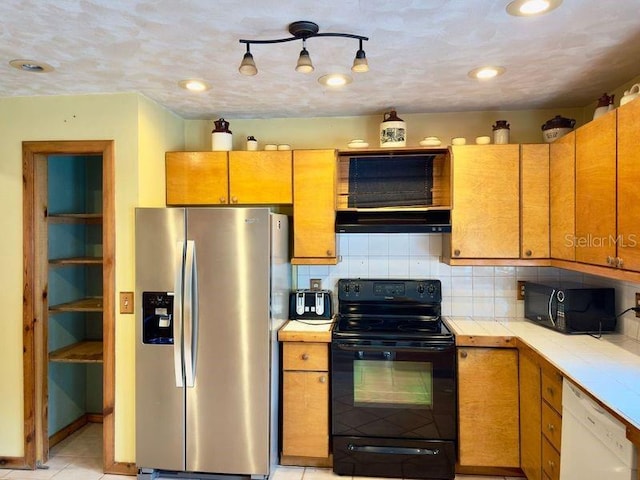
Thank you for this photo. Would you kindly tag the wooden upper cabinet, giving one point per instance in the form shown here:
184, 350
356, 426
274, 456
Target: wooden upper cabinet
485, 219
314, 212
562, 197
220, 178
534, 201
596, 191
628, 239
196, 178
262, 177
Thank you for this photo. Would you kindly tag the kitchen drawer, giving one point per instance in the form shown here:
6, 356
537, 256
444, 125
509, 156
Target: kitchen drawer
550, 460
305, 356
552, 388
551, 425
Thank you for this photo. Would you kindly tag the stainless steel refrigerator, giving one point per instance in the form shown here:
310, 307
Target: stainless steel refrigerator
212, 288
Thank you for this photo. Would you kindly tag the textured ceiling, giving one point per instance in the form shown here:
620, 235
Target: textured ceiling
419, 53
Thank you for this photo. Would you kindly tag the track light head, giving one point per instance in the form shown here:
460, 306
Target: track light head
304, 64
248, 66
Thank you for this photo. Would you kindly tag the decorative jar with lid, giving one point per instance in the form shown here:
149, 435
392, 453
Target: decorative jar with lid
501, 132
221, 137
393, 131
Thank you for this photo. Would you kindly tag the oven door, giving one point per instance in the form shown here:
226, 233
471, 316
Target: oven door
393, 409
393, 389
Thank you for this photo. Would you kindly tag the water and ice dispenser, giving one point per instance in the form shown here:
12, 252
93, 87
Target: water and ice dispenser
157, 318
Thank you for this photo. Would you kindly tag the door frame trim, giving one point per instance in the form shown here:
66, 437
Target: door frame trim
34, 153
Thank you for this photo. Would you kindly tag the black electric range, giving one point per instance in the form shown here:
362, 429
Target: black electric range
394, 399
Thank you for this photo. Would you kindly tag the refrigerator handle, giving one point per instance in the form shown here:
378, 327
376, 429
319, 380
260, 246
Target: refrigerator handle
190, 314
177, 315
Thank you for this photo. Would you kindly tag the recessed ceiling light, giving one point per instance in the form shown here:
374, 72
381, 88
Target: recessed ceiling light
485, 73
31, 66
527, 8
335, 79
194, 85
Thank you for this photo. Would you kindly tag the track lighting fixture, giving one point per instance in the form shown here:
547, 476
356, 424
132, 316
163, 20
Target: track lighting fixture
303, 30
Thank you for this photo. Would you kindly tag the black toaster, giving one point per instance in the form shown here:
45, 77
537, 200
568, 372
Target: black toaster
310, 304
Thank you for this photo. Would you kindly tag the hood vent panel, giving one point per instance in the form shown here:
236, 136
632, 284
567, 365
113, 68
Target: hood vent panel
393, 221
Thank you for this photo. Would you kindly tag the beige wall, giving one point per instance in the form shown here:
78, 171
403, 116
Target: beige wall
335, 132
142, 132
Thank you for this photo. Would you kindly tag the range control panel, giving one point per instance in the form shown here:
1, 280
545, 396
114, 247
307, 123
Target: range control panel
389, 290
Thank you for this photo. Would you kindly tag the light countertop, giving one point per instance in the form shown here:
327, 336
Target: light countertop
306, 331
607, 368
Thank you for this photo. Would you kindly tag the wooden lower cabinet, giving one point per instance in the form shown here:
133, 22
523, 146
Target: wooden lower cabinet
530, 415
488, 407
540, 416
305, 404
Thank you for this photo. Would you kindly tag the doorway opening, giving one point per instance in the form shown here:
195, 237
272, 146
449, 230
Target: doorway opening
69, 295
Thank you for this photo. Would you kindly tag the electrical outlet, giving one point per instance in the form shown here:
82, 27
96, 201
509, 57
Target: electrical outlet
637, 303
315, 284
126, 302
520, 292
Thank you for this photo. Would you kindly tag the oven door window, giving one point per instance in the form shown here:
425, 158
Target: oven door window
392, 384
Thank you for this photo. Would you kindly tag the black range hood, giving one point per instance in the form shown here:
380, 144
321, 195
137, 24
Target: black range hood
393, 221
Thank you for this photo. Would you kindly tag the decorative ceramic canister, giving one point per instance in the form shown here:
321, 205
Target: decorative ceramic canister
393, 131
252, 143
221, 137
605, 104
501, 132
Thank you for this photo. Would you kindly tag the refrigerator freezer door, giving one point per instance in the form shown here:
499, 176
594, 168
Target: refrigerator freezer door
160, 404
228, 408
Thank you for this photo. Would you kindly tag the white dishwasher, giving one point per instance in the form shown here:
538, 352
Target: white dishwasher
593, 445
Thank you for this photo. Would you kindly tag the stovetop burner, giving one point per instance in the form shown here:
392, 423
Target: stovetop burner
389, 309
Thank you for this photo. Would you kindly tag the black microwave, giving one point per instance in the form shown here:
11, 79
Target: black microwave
570, 308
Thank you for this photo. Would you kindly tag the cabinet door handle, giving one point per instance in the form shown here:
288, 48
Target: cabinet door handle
463, 354
234, 199
323, 379
552, 464
329, 253
305, 356
223, 200
456, 252
619, 262
528, 253
551, 427
551, 391
609, 260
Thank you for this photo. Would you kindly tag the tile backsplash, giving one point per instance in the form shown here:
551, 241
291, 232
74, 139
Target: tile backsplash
467, 291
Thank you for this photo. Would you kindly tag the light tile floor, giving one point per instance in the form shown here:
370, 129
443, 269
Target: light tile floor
79, 457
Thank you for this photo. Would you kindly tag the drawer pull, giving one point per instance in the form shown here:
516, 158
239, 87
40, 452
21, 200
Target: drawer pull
323, 379
305, 356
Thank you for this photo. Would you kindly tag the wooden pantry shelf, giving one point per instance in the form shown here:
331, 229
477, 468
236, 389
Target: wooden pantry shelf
91, 304
81, 352
75, 261
74, 217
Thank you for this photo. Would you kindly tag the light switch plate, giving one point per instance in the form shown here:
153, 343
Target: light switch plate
520, 291
126, 302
